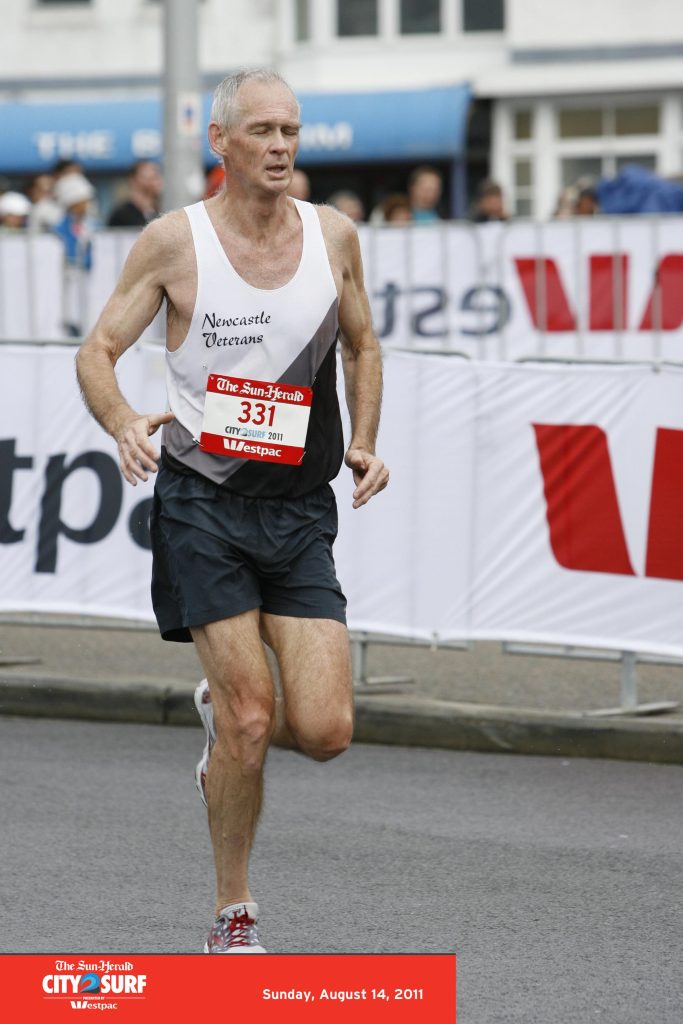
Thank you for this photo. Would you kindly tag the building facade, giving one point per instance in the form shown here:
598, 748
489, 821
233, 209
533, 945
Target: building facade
536, 93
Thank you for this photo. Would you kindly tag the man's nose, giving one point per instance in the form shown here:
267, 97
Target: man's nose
278, 143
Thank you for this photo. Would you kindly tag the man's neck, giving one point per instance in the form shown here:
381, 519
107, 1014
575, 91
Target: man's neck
252, 216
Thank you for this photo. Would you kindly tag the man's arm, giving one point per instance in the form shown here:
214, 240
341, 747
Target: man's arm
133, 305
362, 364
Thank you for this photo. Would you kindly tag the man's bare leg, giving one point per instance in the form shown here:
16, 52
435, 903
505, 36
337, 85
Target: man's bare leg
242, 694
316, 713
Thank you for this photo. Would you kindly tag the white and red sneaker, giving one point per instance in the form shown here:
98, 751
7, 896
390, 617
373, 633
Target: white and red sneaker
235, 930
202, 702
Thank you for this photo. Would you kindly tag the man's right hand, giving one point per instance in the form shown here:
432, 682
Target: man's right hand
137, 456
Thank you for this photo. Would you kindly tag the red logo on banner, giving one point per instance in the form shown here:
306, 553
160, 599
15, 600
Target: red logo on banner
586, 528
549, 306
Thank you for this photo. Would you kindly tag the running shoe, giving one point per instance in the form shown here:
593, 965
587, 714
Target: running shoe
235, 930
202, 702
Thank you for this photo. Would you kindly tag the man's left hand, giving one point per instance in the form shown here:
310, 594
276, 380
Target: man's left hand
370, 475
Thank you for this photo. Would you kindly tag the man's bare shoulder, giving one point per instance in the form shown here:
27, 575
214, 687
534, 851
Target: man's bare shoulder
336, 225
340, 234
166, 235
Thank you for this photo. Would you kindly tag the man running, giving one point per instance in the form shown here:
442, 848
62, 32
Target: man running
258, 287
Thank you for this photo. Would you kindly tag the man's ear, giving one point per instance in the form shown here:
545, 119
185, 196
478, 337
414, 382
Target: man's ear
218, 138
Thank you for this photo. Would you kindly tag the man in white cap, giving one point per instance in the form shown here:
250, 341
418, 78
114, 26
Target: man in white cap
14, 210
74, 193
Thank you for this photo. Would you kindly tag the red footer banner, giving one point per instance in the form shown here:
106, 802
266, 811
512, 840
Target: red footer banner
174, 989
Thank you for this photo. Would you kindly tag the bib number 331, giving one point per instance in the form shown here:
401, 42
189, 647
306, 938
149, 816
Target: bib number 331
255, 419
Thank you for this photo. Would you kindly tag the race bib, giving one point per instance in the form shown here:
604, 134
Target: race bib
254, 419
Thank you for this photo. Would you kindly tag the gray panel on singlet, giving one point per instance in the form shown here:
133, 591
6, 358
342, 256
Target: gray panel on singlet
179, 442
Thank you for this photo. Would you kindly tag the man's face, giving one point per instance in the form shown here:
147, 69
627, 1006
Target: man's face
148, 178
259, 148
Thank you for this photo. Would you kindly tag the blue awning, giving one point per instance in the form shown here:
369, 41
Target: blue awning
109, 135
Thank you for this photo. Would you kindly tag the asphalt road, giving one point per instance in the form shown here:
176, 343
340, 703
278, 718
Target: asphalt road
556, 882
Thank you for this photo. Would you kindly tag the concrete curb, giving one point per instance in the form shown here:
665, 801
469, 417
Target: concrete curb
442, 724
400, 720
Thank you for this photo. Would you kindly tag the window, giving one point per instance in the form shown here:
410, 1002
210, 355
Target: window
523, 124
357, 18
483, 15
575, 168
523, 191
302, 26
580, 124
420, 16
648, 160
636, 121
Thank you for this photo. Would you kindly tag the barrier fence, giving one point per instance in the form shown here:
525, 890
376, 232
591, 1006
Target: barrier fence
603, 288
535, 504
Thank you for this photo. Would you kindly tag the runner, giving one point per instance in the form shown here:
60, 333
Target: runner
259, 288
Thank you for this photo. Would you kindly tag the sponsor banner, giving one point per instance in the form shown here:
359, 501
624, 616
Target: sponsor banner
170, 989
594, 288
605, 288
255, 419
529, 502
536, 503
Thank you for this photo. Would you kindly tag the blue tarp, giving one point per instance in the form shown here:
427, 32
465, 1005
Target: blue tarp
109, 135
638, 190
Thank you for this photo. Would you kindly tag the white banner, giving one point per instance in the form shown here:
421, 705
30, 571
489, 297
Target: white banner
594, 288
538, 503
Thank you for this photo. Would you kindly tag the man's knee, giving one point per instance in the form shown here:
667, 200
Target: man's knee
323, 740
245, 729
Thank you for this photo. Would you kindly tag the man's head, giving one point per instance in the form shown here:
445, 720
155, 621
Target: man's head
145, 178
300, 185
75, 193
490, 201
425, 188
254, 127
586, 203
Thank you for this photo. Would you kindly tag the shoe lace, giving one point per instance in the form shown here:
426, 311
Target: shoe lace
239, 930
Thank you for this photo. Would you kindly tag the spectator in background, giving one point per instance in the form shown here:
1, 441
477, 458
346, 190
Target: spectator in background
64, 167
349, 203
586, 204
215, 180
46, 212
396, 209
300, 186
74, 193
424, 191
145, 185
489, 204
14, 211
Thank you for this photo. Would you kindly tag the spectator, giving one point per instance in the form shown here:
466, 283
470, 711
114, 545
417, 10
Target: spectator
46, 212
215, 180
75, 194
64, 167
424, 191
586, 204
489, 204
349, 203
396, 209
14, 211
145, 185
299, 186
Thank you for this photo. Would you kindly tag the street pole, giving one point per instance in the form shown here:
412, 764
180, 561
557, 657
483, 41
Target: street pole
183, 173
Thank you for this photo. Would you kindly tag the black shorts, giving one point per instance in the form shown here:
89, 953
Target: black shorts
217, 554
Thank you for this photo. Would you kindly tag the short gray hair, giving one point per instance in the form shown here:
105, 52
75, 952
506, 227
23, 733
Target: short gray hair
225, 109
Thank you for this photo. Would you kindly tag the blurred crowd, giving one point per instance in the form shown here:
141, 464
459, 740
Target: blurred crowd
63, 201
